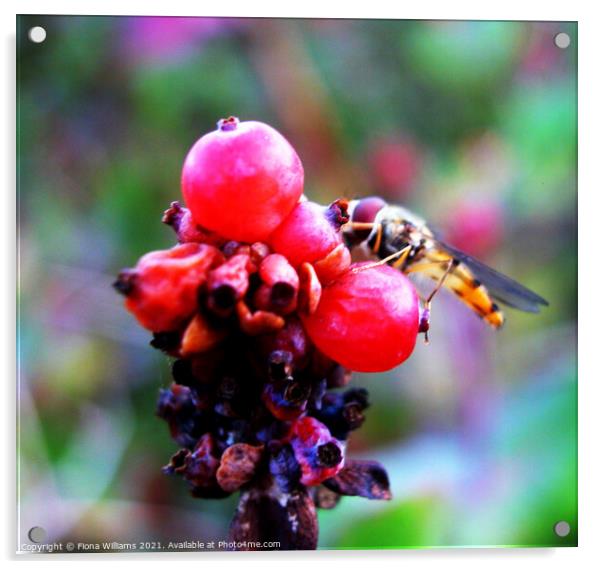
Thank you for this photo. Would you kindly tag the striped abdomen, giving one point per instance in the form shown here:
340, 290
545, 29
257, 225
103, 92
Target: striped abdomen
461, 282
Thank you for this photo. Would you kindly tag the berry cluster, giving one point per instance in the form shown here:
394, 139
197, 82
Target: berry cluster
265, 316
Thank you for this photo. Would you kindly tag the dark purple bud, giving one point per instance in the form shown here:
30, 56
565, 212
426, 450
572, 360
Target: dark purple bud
318, 390
342, 413
179, 407
337, 213
228, 388
291, 338
231, 123
173, 215
364, 478
238, 465
353, 416
181, 371
338, 377
198, 467
357, 395
166, 341
284, 467
286, 399
222, 299
231, 248
176, 462
280, 365
328, 455
324, 498
125, 282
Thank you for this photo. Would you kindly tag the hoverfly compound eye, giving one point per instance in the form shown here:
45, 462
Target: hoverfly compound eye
364, 214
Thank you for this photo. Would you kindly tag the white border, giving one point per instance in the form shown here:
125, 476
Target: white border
590, 189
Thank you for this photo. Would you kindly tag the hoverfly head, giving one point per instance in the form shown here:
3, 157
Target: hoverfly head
363, 214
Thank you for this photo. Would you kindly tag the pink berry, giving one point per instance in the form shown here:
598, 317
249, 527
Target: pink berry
367, 320
310, 232
242, 180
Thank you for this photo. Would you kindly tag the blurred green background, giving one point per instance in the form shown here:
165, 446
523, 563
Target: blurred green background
471, 124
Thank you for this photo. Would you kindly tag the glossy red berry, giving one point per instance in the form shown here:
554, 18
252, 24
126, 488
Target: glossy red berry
318, 453
161, 291
310, 232
367, 320
242, 180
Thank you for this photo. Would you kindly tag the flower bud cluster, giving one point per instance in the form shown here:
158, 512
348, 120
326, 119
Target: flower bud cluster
252, 401
264, 317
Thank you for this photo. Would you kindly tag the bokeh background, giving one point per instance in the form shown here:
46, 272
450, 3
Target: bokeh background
471, 124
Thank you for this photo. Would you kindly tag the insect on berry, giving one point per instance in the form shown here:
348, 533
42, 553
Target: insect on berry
367, 320
242, 180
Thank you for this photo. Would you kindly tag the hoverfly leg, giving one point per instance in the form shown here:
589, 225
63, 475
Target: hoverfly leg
425, 313
450, 265
401, 254
378, 240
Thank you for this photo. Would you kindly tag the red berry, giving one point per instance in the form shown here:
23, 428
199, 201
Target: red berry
309, 233
367, 320
318, 453
161, 291
242, 180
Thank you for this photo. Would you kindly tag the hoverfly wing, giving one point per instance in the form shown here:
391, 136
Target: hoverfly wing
502, 288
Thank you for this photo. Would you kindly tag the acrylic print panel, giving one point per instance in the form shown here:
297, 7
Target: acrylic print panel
228, 379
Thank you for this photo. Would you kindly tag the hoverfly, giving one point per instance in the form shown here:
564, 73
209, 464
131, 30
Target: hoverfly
401, 239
